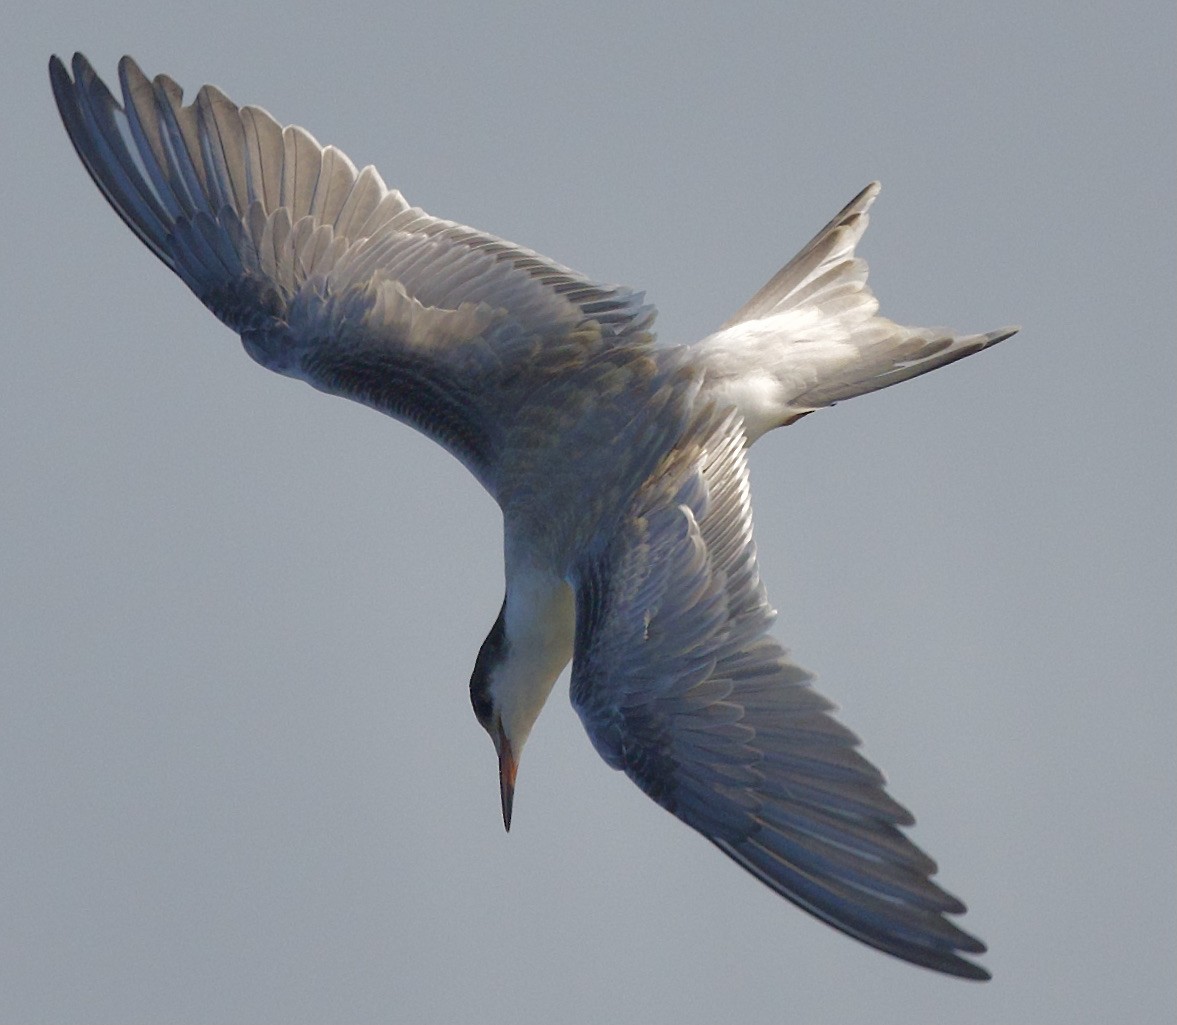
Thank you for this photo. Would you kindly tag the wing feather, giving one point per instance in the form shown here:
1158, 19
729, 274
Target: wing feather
679, 686
327, 274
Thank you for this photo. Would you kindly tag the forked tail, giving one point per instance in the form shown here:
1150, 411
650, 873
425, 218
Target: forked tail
812, 335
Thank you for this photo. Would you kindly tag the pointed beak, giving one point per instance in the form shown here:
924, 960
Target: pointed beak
508, 767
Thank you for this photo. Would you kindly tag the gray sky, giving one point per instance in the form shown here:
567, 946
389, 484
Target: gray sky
239, 776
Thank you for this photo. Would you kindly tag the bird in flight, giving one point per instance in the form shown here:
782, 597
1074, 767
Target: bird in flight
618, 462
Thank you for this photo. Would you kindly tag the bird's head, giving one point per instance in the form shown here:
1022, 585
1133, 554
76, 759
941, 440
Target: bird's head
494, 702
512, 678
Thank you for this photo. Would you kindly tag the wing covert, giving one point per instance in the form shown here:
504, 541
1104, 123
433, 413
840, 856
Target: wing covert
679, 685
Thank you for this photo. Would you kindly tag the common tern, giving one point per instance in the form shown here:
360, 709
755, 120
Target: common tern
618, 462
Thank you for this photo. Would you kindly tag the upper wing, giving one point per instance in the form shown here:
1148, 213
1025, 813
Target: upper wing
679, 685
814, 328
326, 273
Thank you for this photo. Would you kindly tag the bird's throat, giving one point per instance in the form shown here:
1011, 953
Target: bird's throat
540, 624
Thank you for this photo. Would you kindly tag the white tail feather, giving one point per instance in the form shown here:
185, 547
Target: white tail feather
812, 335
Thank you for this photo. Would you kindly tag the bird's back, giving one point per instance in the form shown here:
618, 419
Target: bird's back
586, 440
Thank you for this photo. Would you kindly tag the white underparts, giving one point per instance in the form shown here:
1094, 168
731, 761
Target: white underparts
540, 626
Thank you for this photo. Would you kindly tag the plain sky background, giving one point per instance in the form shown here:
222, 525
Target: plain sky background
240, 780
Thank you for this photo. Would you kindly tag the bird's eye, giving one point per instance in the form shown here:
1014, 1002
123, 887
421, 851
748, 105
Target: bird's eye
480, 699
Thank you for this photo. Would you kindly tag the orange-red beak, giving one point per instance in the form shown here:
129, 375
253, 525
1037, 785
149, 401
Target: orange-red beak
508, 767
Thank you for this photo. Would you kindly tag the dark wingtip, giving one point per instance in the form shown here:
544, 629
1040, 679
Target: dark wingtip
963, 969
58, 75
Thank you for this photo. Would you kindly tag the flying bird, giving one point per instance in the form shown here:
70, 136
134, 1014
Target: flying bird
618, 462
